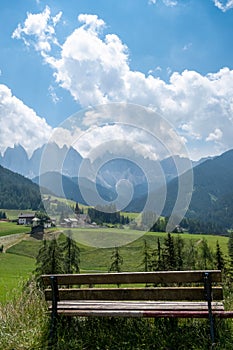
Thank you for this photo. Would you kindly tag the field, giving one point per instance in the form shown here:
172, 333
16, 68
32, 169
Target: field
12, 214
96, 249
28, 312
13, 269
9, 228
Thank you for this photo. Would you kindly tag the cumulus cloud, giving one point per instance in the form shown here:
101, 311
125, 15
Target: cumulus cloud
223, 5
215, 136
42, 27
95, 69
20, 123
169, 3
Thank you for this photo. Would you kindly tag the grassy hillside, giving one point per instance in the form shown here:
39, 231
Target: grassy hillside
25, 323
94, 258
13, 269
9, 228
12, 214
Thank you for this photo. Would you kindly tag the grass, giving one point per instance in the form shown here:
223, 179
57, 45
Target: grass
24, 320
28, 247
13, 268
12, 214
24, 324
9, 228
99, 259
20, 258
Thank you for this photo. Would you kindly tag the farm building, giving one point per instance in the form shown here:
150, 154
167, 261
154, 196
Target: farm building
25, 219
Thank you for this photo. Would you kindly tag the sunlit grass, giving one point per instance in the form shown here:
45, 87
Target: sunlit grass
9, 228
13, 268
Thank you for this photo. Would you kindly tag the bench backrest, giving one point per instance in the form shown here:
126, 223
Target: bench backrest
159, 285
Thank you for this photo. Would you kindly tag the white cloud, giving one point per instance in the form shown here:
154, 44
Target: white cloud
169, 3
20, 123
53, 94
223, 5
42, 27
95, 70
215, 136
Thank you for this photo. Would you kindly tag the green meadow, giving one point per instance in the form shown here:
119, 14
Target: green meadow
19, 261
13, 270
9, 228
25, 321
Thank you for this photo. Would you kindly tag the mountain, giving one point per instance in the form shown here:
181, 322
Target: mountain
71, 188
65, 160
16, 160
18, 192
212, 197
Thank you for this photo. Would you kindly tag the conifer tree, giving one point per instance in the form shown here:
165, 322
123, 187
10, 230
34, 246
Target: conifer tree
156, 258
117, 261
220, 263
206, 256
191, 255
146, 257
169, 257
230, 249
179, 247
71, 254
49, 259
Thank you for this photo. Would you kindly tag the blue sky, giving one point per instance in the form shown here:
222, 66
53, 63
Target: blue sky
174, 56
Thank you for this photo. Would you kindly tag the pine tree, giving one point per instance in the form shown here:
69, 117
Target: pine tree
169, 257
146, 257
191, 255
206, 256
179, 247
220, 263
49, 259
71, 254
117, 261
230, 249
156, 258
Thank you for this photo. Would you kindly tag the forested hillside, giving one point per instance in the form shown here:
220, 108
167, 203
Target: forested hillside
17, 192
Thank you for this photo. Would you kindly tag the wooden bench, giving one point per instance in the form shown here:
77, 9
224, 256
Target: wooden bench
169, 294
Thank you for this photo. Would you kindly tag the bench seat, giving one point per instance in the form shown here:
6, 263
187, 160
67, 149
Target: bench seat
139, 309
160, 294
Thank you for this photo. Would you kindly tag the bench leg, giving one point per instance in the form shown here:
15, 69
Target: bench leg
208, 292
53, 332
55, 298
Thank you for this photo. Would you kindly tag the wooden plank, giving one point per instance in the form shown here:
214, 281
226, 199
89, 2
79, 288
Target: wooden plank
150, 314
176, 306
168, 293
158, 277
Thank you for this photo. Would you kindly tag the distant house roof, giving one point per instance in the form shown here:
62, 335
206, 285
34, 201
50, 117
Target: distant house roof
35, 219
26, 216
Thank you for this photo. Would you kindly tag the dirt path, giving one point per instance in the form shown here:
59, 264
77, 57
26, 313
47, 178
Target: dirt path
10, 240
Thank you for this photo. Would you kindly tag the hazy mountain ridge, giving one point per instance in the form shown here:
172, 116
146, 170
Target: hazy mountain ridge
67, 161
212, 196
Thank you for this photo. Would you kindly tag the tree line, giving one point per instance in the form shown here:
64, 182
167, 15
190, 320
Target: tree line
56, 257
3, 215
171, 253
107, 214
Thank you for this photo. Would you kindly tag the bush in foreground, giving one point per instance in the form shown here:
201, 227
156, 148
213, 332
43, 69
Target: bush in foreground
24, 321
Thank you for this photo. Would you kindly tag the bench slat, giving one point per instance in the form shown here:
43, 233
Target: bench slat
177, 306
168, 293
157, 277
140, 313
